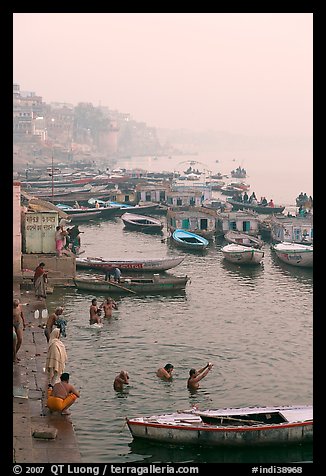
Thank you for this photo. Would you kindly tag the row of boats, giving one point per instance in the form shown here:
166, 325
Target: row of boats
246, 249
242, 248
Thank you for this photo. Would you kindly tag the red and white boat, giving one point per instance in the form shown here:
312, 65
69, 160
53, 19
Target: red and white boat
158, 264
237, 427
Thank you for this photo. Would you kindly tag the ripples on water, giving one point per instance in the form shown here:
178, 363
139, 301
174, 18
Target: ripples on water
254, 324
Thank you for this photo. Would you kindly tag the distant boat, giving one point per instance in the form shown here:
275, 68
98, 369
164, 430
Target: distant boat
243, 239
294, 254
240, 254
155, 284
158, 264
188, 240
143, 223
228, 427
234, 187
239, 173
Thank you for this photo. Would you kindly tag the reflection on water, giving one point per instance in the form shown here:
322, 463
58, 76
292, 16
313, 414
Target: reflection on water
165, 453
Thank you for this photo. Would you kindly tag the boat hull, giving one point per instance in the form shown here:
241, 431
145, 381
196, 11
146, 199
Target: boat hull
79, 217
141, 223
256, 208
240, 437
159, 285
230, 429
243, 239
130, 265
295, 254
188, 240
242, 254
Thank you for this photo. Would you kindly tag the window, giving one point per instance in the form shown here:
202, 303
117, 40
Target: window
203, 224
245, 225
185, 224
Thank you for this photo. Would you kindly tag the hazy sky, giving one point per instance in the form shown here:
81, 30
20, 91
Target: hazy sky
248, 73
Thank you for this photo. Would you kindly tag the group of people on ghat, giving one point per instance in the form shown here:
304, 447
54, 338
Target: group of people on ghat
61, 394
67, 239
238, 197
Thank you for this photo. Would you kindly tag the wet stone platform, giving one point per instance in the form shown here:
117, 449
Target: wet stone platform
38, 435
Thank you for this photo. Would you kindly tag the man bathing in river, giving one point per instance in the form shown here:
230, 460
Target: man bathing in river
120, 380
196, 375
108, 305
94, 315
166, 372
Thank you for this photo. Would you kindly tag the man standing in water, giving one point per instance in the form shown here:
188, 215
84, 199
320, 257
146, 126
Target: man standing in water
94, 317
196, 375
166, 372
120, 380
51, 322
108, 305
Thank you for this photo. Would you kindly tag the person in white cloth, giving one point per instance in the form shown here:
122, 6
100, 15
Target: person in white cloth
56, 357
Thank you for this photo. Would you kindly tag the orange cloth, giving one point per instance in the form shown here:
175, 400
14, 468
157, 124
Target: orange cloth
59, 404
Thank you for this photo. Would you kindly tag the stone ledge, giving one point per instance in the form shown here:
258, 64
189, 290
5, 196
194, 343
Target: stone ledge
45, 433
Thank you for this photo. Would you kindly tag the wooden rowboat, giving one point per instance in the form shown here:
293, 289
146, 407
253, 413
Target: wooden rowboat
242, 254
155, 284
237, 427
243, 239
153, 265
143, 223
188, 240
266, 210
295, 254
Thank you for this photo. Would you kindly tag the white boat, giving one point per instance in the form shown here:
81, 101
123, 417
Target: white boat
242, 254
294, 253
237, 427
243, 239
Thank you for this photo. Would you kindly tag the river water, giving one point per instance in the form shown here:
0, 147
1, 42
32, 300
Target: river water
254, 324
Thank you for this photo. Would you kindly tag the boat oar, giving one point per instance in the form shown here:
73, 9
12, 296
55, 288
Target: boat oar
122, 287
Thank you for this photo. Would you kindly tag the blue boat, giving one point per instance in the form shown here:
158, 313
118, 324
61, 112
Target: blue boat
191, 241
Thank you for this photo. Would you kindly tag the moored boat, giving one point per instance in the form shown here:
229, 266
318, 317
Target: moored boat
120, 208
154, 284
243, 239
240, 254
294, 254
144, 223
79, 214
188, 240
264, 209
158, 264
234, 427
